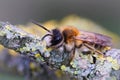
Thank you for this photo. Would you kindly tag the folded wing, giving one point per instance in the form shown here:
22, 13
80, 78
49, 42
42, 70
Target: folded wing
94, 38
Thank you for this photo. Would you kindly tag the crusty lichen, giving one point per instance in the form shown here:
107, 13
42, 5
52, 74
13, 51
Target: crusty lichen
80, 67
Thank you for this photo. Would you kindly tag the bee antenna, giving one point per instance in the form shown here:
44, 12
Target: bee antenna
40, 25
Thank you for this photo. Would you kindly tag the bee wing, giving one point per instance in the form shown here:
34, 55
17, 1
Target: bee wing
94, 38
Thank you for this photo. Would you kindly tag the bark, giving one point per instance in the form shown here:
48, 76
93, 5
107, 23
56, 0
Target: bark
80, 67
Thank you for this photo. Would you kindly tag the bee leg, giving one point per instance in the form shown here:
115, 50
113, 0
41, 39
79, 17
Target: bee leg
45, 36
70, 55
92, 48
85, 50
94, 59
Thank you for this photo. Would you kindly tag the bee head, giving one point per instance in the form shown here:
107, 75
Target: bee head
53, 37
56, 38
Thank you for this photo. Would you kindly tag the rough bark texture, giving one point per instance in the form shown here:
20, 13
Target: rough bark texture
81, 67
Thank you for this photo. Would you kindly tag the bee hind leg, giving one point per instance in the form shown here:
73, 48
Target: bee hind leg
92, 48
93, 51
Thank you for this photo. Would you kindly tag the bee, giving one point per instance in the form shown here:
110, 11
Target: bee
71, 39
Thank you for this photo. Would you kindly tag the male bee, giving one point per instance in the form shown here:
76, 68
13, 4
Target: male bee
72, 38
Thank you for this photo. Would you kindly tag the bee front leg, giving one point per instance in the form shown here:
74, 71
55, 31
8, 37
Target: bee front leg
45, 36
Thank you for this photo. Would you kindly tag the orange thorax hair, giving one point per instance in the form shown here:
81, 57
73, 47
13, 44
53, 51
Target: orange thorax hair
69, 33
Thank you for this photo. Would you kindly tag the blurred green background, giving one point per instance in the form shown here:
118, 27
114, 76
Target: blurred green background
104, 12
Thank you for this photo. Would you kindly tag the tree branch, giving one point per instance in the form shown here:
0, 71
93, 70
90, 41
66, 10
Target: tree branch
80, 67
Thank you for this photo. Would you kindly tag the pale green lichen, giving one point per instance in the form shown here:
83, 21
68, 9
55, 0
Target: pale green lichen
81, 66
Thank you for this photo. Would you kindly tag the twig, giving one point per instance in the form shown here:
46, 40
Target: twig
80, 67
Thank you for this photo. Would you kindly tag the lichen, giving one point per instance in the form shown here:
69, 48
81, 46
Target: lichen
81, 66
